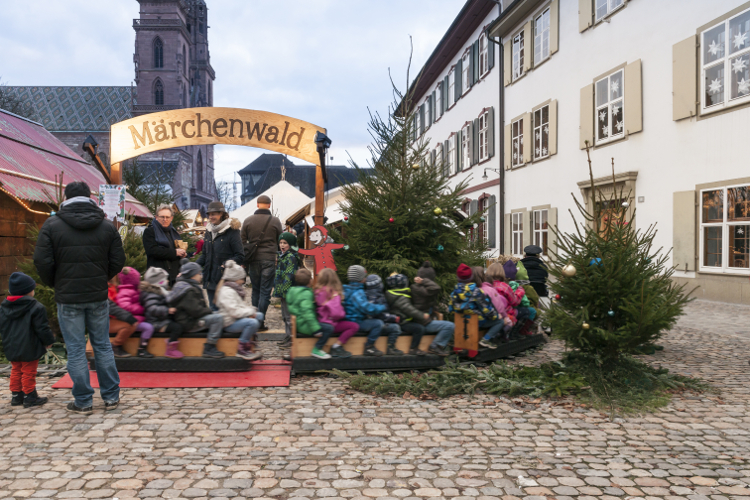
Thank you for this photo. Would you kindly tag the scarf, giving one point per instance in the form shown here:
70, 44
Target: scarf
163, 235
237, 288
77, 199
217, 229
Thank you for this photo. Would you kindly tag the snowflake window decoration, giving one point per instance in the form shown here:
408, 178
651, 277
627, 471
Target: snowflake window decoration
604, 131
715, 86
544, 151
538, 135
520, 141
538, 151
739, 65
739, 40
740, 230
714, 47
515, 155
546, 129
615, 88
619, 126
615, 109
603, 116
743, 86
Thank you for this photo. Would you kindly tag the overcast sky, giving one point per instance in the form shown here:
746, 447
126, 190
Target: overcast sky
322, 61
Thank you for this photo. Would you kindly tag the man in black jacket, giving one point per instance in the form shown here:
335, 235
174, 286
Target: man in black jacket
77, 252
536, 268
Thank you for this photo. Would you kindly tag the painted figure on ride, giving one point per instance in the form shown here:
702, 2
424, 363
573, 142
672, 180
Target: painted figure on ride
323, 249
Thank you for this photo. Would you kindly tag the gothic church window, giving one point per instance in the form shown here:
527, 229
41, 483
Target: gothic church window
158, 93
200, 172
158, 53
184, 61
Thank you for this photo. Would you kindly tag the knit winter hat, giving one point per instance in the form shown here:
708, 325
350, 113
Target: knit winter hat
155, 276
356, 274
427, 271
521, 273
20, 284
396, 281
233, 271
510, 270
189, 269
464, 273
291, 239
129, 276
374, 282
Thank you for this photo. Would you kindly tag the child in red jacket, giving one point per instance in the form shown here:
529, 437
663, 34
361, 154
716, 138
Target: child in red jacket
129, 298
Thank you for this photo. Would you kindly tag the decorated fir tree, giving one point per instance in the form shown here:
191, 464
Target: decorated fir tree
612, 289
405, 212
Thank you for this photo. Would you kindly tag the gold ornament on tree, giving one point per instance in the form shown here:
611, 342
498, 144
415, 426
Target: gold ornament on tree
585, 326
569, 271
438, 211
415, 166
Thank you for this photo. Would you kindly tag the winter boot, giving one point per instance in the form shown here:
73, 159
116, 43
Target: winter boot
339, 352
33, 399
119, 352
143, 352
416, 352
173, 350
436, 349
371, 350
210, 351
245, 352
392, 351
262, 327
17, 399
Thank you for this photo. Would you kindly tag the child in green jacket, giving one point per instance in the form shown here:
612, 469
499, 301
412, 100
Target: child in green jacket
287, 264
301, 302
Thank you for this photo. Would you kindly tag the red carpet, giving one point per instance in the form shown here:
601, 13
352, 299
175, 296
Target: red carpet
270, 373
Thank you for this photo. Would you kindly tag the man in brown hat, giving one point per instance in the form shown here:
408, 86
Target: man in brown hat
221, 243
260, 237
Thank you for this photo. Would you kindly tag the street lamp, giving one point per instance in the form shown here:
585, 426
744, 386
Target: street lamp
496, 170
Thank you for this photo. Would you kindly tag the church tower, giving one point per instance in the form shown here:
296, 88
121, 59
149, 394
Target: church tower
173, 70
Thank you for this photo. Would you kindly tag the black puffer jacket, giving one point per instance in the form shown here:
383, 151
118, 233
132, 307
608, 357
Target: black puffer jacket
537, 270
425, 295
400, 304
162, 257
154, 304
77, 252
24, 329
226, 245
187, 298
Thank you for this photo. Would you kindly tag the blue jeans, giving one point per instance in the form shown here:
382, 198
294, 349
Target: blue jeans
215, 324
261, 274
375, 327
494, 328
74, 320
326, 330
247, 327
443, 329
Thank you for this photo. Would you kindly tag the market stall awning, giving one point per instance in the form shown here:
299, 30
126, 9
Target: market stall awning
285, 200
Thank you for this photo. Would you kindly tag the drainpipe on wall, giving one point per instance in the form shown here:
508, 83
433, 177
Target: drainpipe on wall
501, 111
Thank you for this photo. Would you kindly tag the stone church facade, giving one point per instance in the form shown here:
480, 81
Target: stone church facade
172, 70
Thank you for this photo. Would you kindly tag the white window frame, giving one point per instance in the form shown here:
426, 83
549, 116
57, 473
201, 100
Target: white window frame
726, 62
516, 142
438, 100
451, 87
540, 128
540, 232
725, 226
452, 155
612, 7
465, 74
427, 113
484, 55
465, 147
518, 53
516, 232
539, 53
482, 227
612, 135
483, 136
439, 154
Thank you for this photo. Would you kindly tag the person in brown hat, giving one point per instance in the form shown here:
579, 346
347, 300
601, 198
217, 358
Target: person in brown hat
260, 236
222, 243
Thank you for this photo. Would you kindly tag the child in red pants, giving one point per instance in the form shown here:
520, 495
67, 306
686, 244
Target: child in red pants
26, 337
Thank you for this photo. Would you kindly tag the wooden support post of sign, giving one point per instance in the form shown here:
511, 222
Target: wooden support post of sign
319, 196
115, 174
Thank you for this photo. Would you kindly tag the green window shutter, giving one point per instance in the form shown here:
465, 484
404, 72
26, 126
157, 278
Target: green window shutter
491, 222
459, 156
441, 104
684, 81
475, 55
587, 116
475, 141
491, 132
445, 93
633, 98
444, 158
457, 87
490, 53
433, 102
421, 119
683, 230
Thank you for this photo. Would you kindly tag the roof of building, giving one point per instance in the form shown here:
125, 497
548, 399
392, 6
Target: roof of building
285, 199
31, 157
76, 109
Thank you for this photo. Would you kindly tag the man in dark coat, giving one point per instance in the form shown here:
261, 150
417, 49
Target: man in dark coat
222, 243
158, 243
260, 237
536, 268
78, 251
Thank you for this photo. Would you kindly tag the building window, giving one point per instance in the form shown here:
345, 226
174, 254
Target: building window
199, 172
540, 229
517, 232
465, 73
725, 217
484, 136
451, 155
451, 87
158, 93
609, 112
427, 113
541, 37
158, 53
439, 156
606, 7
184, 60
466, 147
516, 135
438, 102
725, 61
518, 54
541, 132
482, 228
484, 66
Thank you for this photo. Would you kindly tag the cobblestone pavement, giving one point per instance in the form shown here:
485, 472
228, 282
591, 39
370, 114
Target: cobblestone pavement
316, 439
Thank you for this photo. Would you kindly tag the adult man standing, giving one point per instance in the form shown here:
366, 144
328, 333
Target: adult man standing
78, 251
260, 238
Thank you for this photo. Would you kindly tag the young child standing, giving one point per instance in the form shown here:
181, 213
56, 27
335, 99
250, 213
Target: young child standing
129, 298
301, 302
287, 264
154, 299
329, 299
239, 316
26, 337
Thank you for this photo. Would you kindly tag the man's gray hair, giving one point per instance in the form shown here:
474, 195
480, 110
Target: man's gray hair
165, 207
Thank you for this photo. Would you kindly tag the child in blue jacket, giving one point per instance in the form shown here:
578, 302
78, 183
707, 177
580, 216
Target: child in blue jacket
358, 308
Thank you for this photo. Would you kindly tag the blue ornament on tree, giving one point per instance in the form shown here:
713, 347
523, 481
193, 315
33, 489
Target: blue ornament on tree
596, 261
611, 312
346, 247
440, 248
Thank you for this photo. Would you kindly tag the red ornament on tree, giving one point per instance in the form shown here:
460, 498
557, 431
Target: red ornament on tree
557, 297
391, 219
346, 218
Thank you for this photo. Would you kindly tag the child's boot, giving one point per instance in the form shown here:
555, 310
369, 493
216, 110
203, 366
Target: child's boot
143, 351
210, 351
173, 350
33, 399
371, 350
393, 351
244, 351
17, 399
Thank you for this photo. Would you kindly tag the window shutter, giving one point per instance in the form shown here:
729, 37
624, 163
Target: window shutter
587, 116
491, 133
528, 46
441, 105
491, 222
476, 61
459, 155
508, 62
551, 238
490, 53
633, 98
473, 207
433, 157
585, 15
554, 26
507, 147
457, 86
528, 232
433, 101
475, 141
446, 84
421, 119
527, 140
683, 230
684, 88
552, 147
507, 241
444, 158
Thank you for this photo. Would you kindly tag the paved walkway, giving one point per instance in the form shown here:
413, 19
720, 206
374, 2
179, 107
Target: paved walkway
317, 439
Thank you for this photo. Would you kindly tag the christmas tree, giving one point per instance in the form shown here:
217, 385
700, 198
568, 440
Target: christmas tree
132, 244
612, 289
405, 212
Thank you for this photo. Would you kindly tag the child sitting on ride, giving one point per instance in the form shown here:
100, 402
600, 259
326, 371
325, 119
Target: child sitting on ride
129, 298
500, 302
191, 310
301, 303
525, 307
239, 316
329, 299
375, 294
425, 291
358, 308
469, 298
153, 296
287, 264
412, 321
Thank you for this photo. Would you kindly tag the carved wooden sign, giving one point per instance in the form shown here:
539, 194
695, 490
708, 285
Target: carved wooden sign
194, 126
